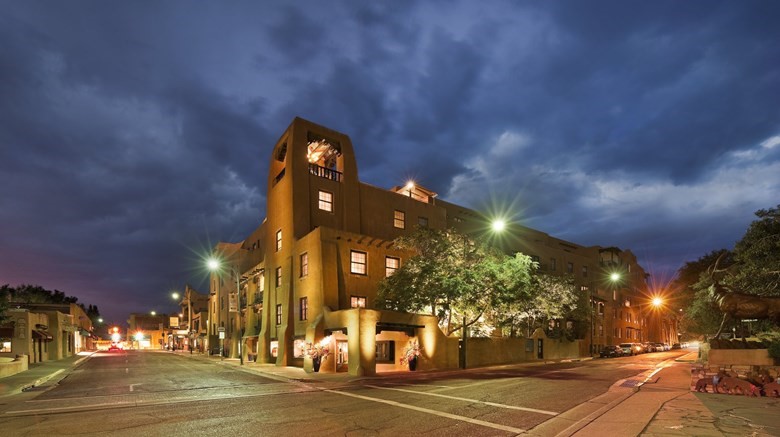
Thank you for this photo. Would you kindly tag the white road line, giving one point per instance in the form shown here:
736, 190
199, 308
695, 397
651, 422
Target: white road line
421, 385
509, 376
492, 404
434, 412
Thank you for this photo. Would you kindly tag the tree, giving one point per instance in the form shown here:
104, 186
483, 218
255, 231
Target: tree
758, 255
461, 281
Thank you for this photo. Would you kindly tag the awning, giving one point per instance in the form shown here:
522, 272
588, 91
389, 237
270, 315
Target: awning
43, 335
83, 332
399, 327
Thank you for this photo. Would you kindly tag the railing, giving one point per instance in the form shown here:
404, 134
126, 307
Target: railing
325, 172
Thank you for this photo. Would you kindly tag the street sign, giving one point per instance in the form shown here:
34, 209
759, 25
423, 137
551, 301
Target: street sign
221, 329
221, 335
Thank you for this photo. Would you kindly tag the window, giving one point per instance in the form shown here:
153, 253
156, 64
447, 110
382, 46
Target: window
617, 332
399, 219
357, 262
5, 345
278, 277
278, 240
304, 264
553, 264
584, 271
261, 281
357, 301
422, 222
326, 201
569, 267
391, 265
279, 314
304, 308
385, 351
601, 308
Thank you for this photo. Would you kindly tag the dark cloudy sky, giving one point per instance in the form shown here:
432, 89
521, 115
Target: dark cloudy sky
134, 135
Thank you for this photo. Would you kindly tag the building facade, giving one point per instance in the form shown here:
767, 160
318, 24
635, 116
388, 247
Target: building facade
311, 270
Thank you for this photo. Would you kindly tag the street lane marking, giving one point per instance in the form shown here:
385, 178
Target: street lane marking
492, 404
434, 412
513, 376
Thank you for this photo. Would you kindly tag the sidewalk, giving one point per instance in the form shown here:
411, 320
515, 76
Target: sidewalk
39, 374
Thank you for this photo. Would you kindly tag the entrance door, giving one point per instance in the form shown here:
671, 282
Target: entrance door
342, 356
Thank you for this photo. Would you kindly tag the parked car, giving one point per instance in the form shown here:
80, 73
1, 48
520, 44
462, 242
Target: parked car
649, 347
631, 348
676, 346
659, 347
611, 351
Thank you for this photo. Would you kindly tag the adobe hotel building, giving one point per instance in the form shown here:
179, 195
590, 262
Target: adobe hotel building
310, 271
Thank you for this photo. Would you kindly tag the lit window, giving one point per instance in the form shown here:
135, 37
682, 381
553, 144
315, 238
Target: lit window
278, 277
399, 219
5, 345
279, 314
304, 308
391, 265
304, 264
357, 301
278, 240
261, 281
357, 262
326, 201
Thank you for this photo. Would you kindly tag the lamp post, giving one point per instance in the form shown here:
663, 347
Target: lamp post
215, 266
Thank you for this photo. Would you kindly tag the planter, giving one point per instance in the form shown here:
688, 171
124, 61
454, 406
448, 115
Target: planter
316, 363
413, 364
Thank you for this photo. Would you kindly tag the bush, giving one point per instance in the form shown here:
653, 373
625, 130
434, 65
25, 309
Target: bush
774, 350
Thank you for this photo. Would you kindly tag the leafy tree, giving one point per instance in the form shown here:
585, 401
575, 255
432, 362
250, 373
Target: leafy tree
462, 282
4, 298
758, 255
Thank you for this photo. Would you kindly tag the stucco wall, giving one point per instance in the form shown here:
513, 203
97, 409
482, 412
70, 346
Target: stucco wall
504, 350
742, 357
8, 368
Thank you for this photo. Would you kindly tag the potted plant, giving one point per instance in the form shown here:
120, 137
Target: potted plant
317, 353
411, 355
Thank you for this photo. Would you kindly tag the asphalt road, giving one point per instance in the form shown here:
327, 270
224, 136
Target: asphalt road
157, 393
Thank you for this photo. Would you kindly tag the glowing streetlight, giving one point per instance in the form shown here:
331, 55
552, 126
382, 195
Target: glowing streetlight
214, 265
154, 313
614, 277
657, 302
498, 225
175, 295
100, 320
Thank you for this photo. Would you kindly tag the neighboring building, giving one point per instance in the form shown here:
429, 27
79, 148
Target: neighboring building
146, 331
311, 269
46, 331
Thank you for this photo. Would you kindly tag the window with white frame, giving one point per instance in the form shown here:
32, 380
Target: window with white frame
399, 219
391, 265
358, 262
325, 201
261, 281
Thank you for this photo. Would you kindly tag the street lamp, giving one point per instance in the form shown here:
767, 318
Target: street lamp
214, 265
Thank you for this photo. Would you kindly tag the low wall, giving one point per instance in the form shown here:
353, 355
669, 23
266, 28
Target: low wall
494, 351
8, 368
740, 357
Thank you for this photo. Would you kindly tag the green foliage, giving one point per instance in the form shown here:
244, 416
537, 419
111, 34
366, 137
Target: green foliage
774, 350
753, 267
758, 255
25, 294
465, 283
453, 277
